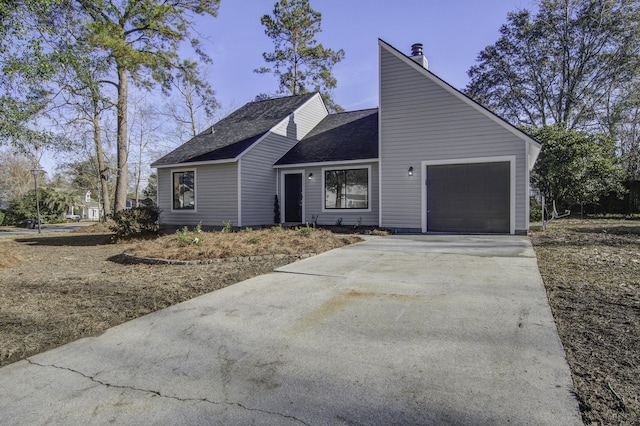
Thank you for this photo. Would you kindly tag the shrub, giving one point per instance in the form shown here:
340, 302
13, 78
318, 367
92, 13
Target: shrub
253, 240
276, 229
136, 222
1, 217
227, 226
306, 230
535, 210
190, 238
276, 210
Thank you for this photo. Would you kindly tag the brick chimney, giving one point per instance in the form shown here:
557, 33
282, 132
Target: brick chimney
418, 56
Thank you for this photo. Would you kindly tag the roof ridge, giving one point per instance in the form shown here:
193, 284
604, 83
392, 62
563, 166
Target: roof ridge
281, 97
356, 110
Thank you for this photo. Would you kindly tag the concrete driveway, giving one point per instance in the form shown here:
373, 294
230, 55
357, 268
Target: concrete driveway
395, 330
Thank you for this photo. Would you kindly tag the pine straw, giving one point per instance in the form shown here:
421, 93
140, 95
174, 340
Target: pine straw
221, 245
96, 228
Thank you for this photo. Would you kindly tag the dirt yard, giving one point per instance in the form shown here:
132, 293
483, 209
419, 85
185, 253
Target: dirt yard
59, 287
591, 270
56, 288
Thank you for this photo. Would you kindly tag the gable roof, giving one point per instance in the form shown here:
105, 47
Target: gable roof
231, 136
338, 137
533, 145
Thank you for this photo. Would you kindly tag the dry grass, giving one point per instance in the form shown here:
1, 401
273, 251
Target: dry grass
7, 256
76, 284
219, 245
591, 270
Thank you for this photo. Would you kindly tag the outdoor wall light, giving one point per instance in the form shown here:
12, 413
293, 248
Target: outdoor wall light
410, 171
310, 176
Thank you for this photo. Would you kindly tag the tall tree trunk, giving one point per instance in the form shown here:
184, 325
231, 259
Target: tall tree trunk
121, 141
102, 169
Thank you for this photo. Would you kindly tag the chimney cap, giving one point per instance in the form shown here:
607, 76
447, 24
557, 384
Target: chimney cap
416, 49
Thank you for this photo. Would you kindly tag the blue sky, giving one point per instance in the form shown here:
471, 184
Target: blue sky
453, 33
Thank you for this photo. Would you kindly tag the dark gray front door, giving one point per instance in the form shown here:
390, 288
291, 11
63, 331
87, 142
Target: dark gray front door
469, 198
293, 197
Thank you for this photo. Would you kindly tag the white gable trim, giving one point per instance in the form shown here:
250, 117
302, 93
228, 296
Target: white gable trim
455, 92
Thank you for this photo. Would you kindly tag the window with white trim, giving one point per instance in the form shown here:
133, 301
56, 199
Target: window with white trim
184, 190
346, 189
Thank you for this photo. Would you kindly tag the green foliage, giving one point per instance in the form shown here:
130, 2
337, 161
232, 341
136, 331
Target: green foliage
24, 207
300, 63
227, 227
276, 210
135, 222
1, 217
248, 229
535, 210
253, 240
151, 190
190, 238
306, 230
314, 220
276, 229
575, 167
27, 70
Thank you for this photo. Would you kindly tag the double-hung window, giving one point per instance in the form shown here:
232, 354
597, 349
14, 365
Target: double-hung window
184, 190
346, 189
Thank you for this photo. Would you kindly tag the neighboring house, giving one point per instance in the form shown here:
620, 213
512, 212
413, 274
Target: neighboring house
429, 159
88, 208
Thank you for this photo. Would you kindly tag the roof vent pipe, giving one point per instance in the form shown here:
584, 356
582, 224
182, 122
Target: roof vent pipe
417, 55
416, 49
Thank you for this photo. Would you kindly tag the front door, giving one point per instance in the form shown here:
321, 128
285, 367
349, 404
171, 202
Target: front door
293, 197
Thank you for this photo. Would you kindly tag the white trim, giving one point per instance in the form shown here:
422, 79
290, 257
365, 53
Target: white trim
379, 139
499, 159
195, 189
283, 194
195, 163
446, 86
239, 179
326, 163
346, 211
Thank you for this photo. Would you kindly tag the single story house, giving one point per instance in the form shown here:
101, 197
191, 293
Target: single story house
428, 159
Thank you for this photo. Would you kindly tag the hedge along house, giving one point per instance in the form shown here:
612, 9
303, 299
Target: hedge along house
429, 159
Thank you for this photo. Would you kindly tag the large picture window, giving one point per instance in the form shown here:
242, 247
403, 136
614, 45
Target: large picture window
184, 190
346, 189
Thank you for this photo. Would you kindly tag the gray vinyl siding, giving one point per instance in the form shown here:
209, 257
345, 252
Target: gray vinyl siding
314, 197
216, 196
258, 174
259, 179
421, 121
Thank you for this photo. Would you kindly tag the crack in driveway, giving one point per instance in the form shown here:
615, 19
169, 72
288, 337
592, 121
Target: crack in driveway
308, 274
159, 394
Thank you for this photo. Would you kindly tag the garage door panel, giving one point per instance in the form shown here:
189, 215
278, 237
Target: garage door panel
469, 198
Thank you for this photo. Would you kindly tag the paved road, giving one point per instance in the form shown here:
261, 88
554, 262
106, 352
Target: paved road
44, 229
412, 330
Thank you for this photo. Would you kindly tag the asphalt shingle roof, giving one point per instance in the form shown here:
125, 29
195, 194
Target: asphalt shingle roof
338, 137
236, 132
